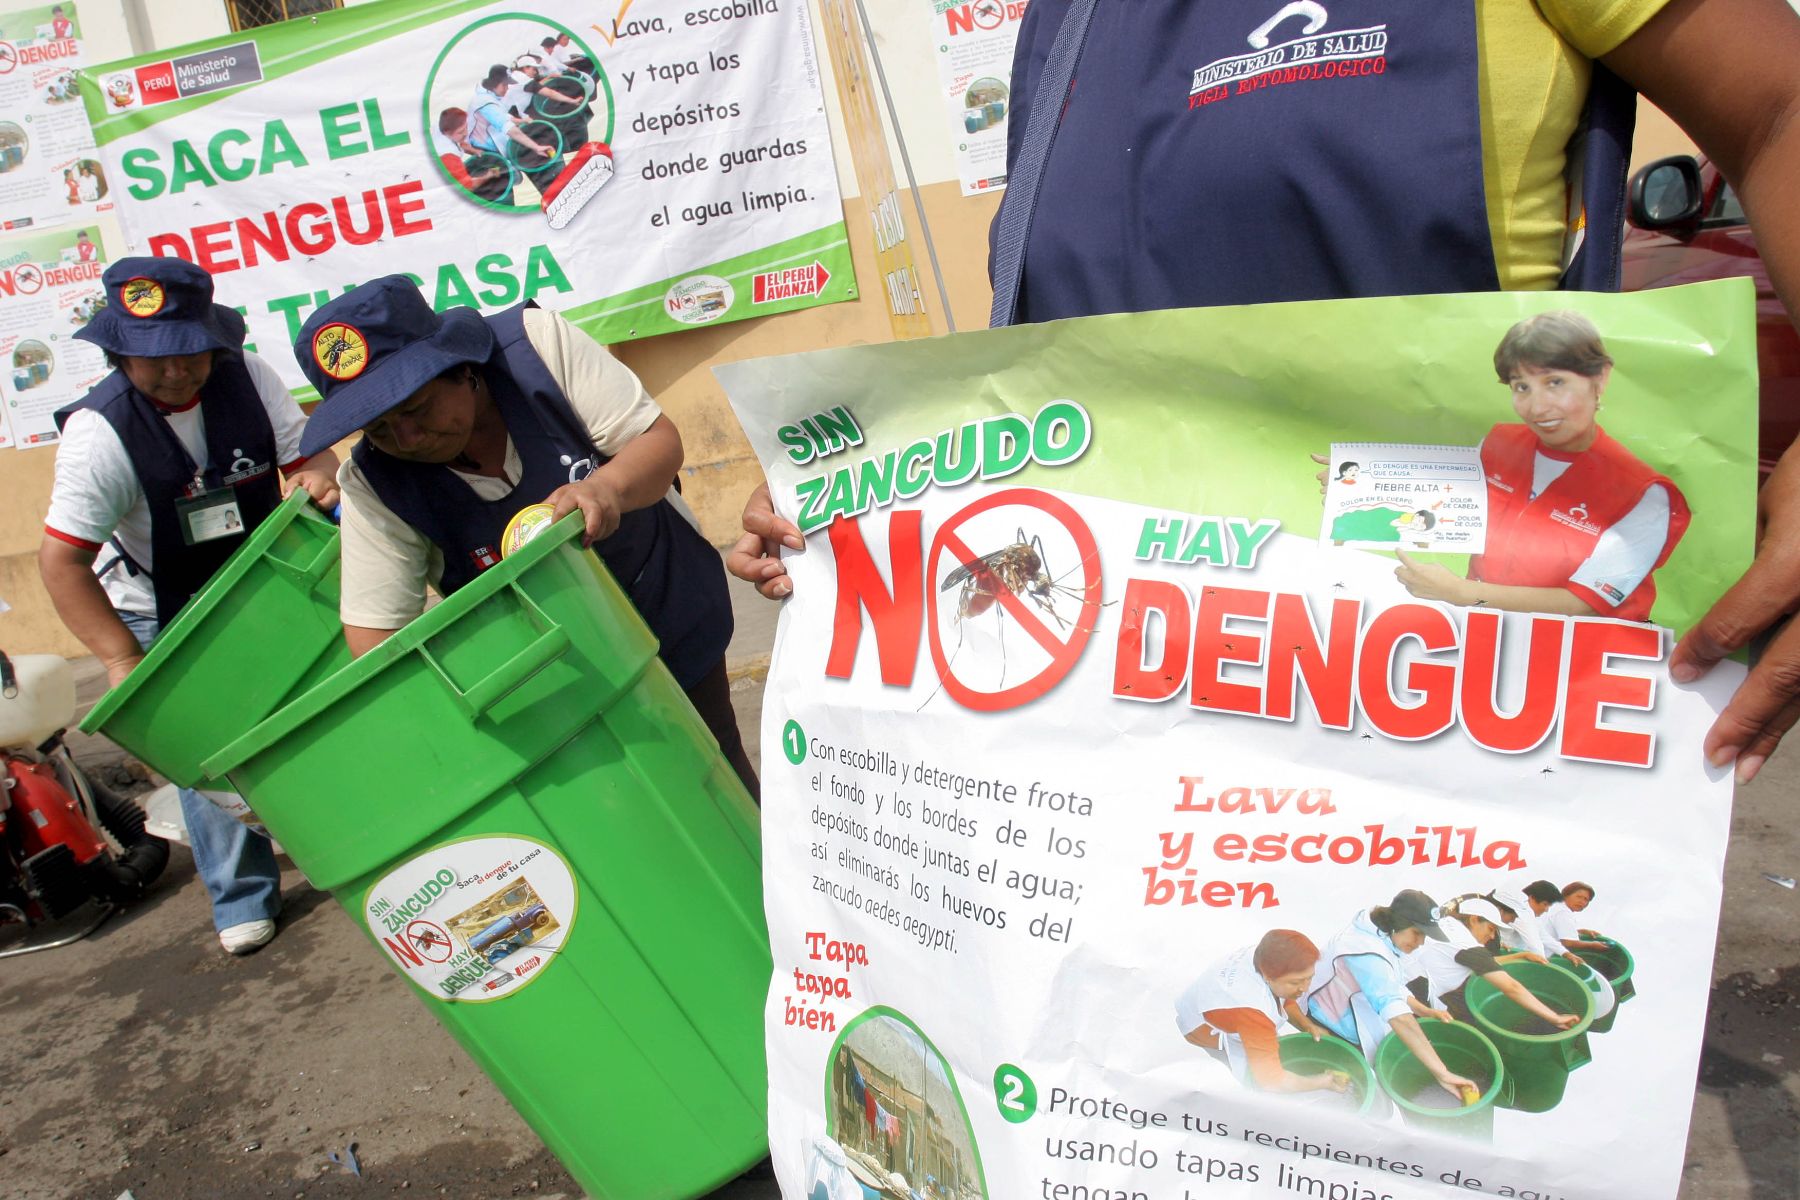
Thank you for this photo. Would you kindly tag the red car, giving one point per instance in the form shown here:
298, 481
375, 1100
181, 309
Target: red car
1687, 226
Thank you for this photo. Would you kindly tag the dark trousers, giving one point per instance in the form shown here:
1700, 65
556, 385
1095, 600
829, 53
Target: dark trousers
711, 698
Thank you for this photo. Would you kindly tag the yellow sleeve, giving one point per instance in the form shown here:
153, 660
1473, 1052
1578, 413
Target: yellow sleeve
1598, 27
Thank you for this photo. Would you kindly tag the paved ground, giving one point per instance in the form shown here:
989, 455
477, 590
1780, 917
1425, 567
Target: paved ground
144, 1059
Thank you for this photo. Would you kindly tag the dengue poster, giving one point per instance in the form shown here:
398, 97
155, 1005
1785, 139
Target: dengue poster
1125, 839
642, 168
974, 42
49, 172
49, 288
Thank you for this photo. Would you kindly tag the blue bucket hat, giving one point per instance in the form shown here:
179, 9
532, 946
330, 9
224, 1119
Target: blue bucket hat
158, 307
370, 349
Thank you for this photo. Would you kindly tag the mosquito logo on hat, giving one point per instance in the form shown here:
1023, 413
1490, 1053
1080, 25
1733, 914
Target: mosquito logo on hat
159, 307
369, 349
141, 297
341, 351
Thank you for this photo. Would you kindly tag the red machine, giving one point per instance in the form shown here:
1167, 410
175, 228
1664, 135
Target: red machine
65, 840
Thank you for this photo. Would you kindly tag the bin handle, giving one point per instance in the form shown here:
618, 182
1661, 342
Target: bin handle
308, 576
550, 645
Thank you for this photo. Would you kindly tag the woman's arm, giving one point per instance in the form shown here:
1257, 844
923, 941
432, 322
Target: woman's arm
1406, 1027
1751, 129
1422, 1010
1429, 581
1519, 994
1302, 1022
638, 476
75, 592
1522, 956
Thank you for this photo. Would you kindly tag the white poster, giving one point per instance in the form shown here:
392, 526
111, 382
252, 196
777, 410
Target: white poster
1123, 840
49, 288
49, 172
974, 50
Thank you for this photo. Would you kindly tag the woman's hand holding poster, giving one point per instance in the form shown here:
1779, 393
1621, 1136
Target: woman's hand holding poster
1126, 839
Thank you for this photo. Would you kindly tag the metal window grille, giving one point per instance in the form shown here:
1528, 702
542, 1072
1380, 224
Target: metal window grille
248, 14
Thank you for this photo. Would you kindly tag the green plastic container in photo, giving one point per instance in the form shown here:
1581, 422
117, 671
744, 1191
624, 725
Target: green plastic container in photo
1616, 963
514, 797
1303, 1056
1606, 1001
1414, 1090
1538, 1058
262, 631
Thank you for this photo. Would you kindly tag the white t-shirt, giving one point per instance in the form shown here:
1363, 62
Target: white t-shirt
387, 562
97, 497
1527, 934
1626, 551
1559, 926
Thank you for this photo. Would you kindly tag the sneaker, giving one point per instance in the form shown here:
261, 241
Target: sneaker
247, 938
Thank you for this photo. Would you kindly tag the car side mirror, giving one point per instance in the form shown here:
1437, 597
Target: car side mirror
1666, 194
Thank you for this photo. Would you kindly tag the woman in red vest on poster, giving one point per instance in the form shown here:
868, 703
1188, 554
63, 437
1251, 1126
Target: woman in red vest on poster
1577, 524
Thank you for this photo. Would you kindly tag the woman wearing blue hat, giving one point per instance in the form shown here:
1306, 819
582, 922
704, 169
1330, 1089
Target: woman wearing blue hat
465, 421
162, 470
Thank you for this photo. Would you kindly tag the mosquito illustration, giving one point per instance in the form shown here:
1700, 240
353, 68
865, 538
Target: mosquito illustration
1019, 569
335, 351
138, 290
429, 938
987, 10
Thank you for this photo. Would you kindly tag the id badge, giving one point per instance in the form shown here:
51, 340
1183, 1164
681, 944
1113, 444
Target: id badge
209, 516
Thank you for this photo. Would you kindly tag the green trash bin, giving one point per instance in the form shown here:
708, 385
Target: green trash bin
1616, 963
1606, 1002
516, 800
262, 631
1538, 1056
1303, 1056
1415, 1091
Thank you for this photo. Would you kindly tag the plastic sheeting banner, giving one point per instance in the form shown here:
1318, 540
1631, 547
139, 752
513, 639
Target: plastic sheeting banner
1084, 755
643, 168
49, 287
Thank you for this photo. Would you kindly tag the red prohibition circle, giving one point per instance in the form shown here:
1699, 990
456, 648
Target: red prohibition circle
28, 279
1063, 655
9, 58
429, 938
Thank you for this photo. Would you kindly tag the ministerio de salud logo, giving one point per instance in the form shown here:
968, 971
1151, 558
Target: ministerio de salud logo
341, 351
141, 297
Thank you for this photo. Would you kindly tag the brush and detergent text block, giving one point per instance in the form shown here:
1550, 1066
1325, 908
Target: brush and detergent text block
1383, 496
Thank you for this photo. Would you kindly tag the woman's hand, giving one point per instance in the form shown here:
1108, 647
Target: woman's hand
1565, 1021
1324, 468
318, 475
599, 502
1438, 1014
1330, 1081
756, 556
1429, 581
1454, 1084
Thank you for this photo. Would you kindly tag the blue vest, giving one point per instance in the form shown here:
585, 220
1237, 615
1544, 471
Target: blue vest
671, 573
240, 454
1209, 153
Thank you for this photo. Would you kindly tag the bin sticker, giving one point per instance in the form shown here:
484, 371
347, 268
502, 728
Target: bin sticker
474, 920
